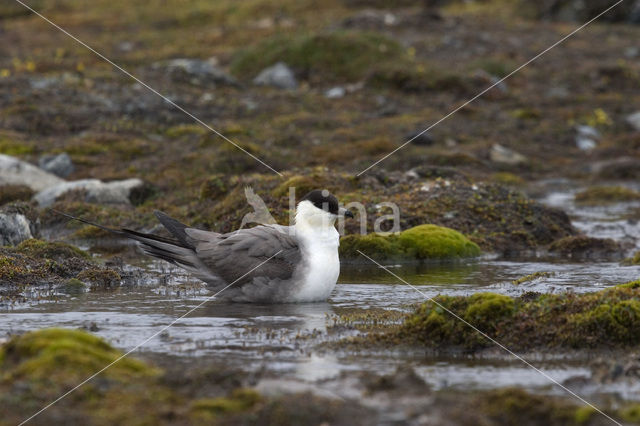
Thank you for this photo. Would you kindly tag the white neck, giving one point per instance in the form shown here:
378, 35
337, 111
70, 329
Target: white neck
310, 219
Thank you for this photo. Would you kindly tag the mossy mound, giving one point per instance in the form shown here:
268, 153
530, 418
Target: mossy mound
605, 319
239, 401
511, 405
55, 250
10, 193
606, 195
42, 365
424, 242
417, 78
36, 263
583, 247
65, 356
633, 260
339, 56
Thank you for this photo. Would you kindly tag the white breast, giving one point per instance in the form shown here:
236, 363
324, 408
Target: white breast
322, 266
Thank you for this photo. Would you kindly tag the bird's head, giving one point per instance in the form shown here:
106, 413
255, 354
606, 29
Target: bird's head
319, 208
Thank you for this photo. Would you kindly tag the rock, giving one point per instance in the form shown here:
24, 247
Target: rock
634, 120
583, 247
18, 172
60, 165
95, 191
278, 75
199, 72
588, 132
586, 137
503, 155
17, 224
618, 168
335, 92
487, 79
420, 138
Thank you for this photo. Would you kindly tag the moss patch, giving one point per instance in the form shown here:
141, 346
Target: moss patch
606, 319
606, 194
531, 277
50, 250
65, 356
339, 56
424, 242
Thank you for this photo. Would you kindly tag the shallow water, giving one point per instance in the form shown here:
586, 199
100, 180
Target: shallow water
281, 340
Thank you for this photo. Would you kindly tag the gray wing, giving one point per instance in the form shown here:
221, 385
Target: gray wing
234, 256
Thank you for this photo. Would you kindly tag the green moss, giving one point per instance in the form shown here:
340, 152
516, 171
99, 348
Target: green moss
49, 250
507, 178
531, 277
339, 56
411, 77
631, 413
423, 242
436, 242
608, 318
15, 148
486, 310
239, 401
214, 187
65, 356
509, 406
74, 286
302, 184
634, 260
181, 130
606, 194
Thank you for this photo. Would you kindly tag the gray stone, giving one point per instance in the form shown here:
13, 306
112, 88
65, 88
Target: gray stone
278, 75
60, 165
503, 155
198, 72
96, 191
16, 226
419, 138
335, 92
17, 172
587, 137
634, 120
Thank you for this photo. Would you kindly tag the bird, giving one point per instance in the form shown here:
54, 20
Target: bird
268, 263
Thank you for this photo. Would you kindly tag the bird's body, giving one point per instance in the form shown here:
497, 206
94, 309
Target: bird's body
264, 264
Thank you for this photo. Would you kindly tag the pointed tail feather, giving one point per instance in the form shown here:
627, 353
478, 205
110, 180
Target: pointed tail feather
169, 249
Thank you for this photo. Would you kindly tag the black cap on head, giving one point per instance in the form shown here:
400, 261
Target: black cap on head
323, 200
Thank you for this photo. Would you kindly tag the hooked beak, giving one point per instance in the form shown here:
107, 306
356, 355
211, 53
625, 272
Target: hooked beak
344, 212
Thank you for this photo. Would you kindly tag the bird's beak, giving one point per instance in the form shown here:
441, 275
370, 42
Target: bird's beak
344, 212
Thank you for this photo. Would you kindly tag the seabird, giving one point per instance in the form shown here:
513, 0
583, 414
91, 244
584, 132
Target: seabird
304, 264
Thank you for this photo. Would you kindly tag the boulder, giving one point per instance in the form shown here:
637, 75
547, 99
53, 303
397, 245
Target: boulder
17, 224
504, 155
634, 120
60, 164
198, 72
95, 191
278, 75
586, 137
17, 172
